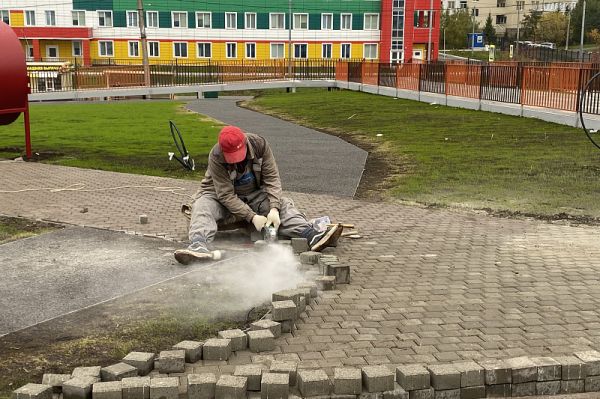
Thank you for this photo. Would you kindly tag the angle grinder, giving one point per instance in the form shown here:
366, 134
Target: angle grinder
269, 234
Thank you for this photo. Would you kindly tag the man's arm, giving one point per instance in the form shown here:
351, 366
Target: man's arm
225, 191
270, 177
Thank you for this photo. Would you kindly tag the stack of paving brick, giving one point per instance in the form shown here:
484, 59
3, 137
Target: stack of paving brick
328, 267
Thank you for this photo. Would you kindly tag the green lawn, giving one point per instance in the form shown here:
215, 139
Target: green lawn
12, 229
480, 55
131, 137
453, 157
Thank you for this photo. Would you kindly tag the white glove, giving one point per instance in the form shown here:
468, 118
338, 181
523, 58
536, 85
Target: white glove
259, 222
273, 218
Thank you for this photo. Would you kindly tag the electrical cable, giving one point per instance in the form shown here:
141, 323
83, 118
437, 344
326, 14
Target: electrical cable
80, 187
582, 104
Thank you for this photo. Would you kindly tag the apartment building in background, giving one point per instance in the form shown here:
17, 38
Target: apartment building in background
88, 31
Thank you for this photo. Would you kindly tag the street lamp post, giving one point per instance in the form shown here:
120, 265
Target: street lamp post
582, 31
568, 30
429, 43
518, 29
144, 42
290, 40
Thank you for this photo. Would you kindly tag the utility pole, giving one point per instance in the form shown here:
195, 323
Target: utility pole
518, 29
290, 40
473, 32
142, 24
429, 43
568, 30
582, 31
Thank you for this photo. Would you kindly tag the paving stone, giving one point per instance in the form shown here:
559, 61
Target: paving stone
172, 361
340, 272
284, 310
252, 372
164, 388
216, 349
572, 386
202, 386
592, 361
310, 257
231, 387
142, 361
397, 393
136, 387
472, 392
471, 374
271, 325
523, 369
117, 372
306, 292
55, 381
413, 377
592, 384
548, 369
107, 390
524, 389
287, 295
498, 391
33, 391
261, 341
347, 381
299, 245
92, 371
312, 287
275, 386
288, 326
496, 372
313, 383
447, 394
377, 379
325, 283
573, 368
289, 368
79, 387
547, 388
427, 393
239, 339
192, 349
444, 377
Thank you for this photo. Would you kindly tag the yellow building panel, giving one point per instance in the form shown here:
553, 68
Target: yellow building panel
17, 18
65, 48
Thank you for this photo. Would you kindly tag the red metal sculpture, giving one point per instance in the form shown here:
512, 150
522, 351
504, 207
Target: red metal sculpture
14, 84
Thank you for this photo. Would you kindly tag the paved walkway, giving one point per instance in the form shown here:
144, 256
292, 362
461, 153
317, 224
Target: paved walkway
428, 285
309, 161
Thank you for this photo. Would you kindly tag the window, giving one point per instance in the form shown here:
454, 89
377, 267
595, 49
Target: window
500, 19
326, 50
231, 50
500, 3
231, 20
30, 18
105, 48
105, 18
50, 17
345, 50
203, 20
421, 19
153, 49
78, 18
134, 49
370, 51
463, 3
326, 21
301, 21
180, 49
29, 52
250, 50
451, 5
277, 21
346, 22
77, 49
371, 22
277, 50
475, 12
521, 5
204, 50
300, 50
250, 20
5, 16
152, 19
132, 19
179, 19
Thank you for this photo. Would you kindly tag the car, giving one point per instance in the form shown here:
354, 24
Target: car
548, 45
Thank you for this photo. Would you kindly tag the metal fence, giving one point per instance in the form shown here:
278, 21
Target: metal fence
557, 55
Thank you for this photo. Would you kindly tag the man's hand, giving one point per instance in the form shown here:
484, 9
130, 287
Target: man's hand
273, 218
259, 222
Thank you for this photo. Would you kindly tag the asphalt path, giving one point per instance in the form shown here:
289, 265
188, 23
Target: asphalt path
309, 161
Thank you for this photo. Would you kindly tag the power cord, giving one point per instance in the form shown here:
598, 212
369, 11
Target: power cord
582, 104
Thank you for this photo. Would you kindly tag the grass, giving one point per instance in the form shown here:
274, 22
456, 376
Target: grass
12, 229
480, 55
446, 156
130, 137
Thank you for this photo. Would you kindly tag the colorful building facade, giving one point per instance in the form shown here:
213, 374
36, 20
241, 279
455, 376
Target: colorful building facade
88, 31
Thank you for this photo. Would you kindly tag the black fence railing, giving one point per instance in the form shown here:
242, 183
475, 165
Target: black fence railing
546, 54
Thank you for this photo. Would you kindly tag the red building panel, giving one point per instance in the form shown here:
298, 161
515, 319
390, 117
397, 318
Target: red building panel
48, 33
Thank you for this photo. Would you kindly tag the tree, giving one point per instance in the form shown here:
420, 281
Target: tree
457, 26
594, 36
530, 25
552, 27
489, 31
592, 18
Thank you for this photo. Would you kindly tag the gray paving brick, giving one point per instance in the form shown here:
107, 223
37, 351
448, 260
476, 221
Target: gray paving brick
136, 387
548, 369
471, 374
444, 377
498, 391
428, 393
548, 388
33, 391
573, 368
523, 369
107, 390
413, 377
231, 387
201, 386
313, 383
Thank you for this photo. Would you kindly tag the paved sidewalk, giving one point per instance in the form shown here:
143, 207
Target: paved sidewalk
428, 285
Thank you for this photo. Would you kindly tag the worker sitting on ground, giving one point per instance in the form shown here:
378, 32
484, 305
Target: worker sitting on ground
242, 183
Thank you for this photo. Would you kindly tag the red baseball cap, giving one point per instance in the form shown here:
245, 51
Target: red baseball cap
233, 144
